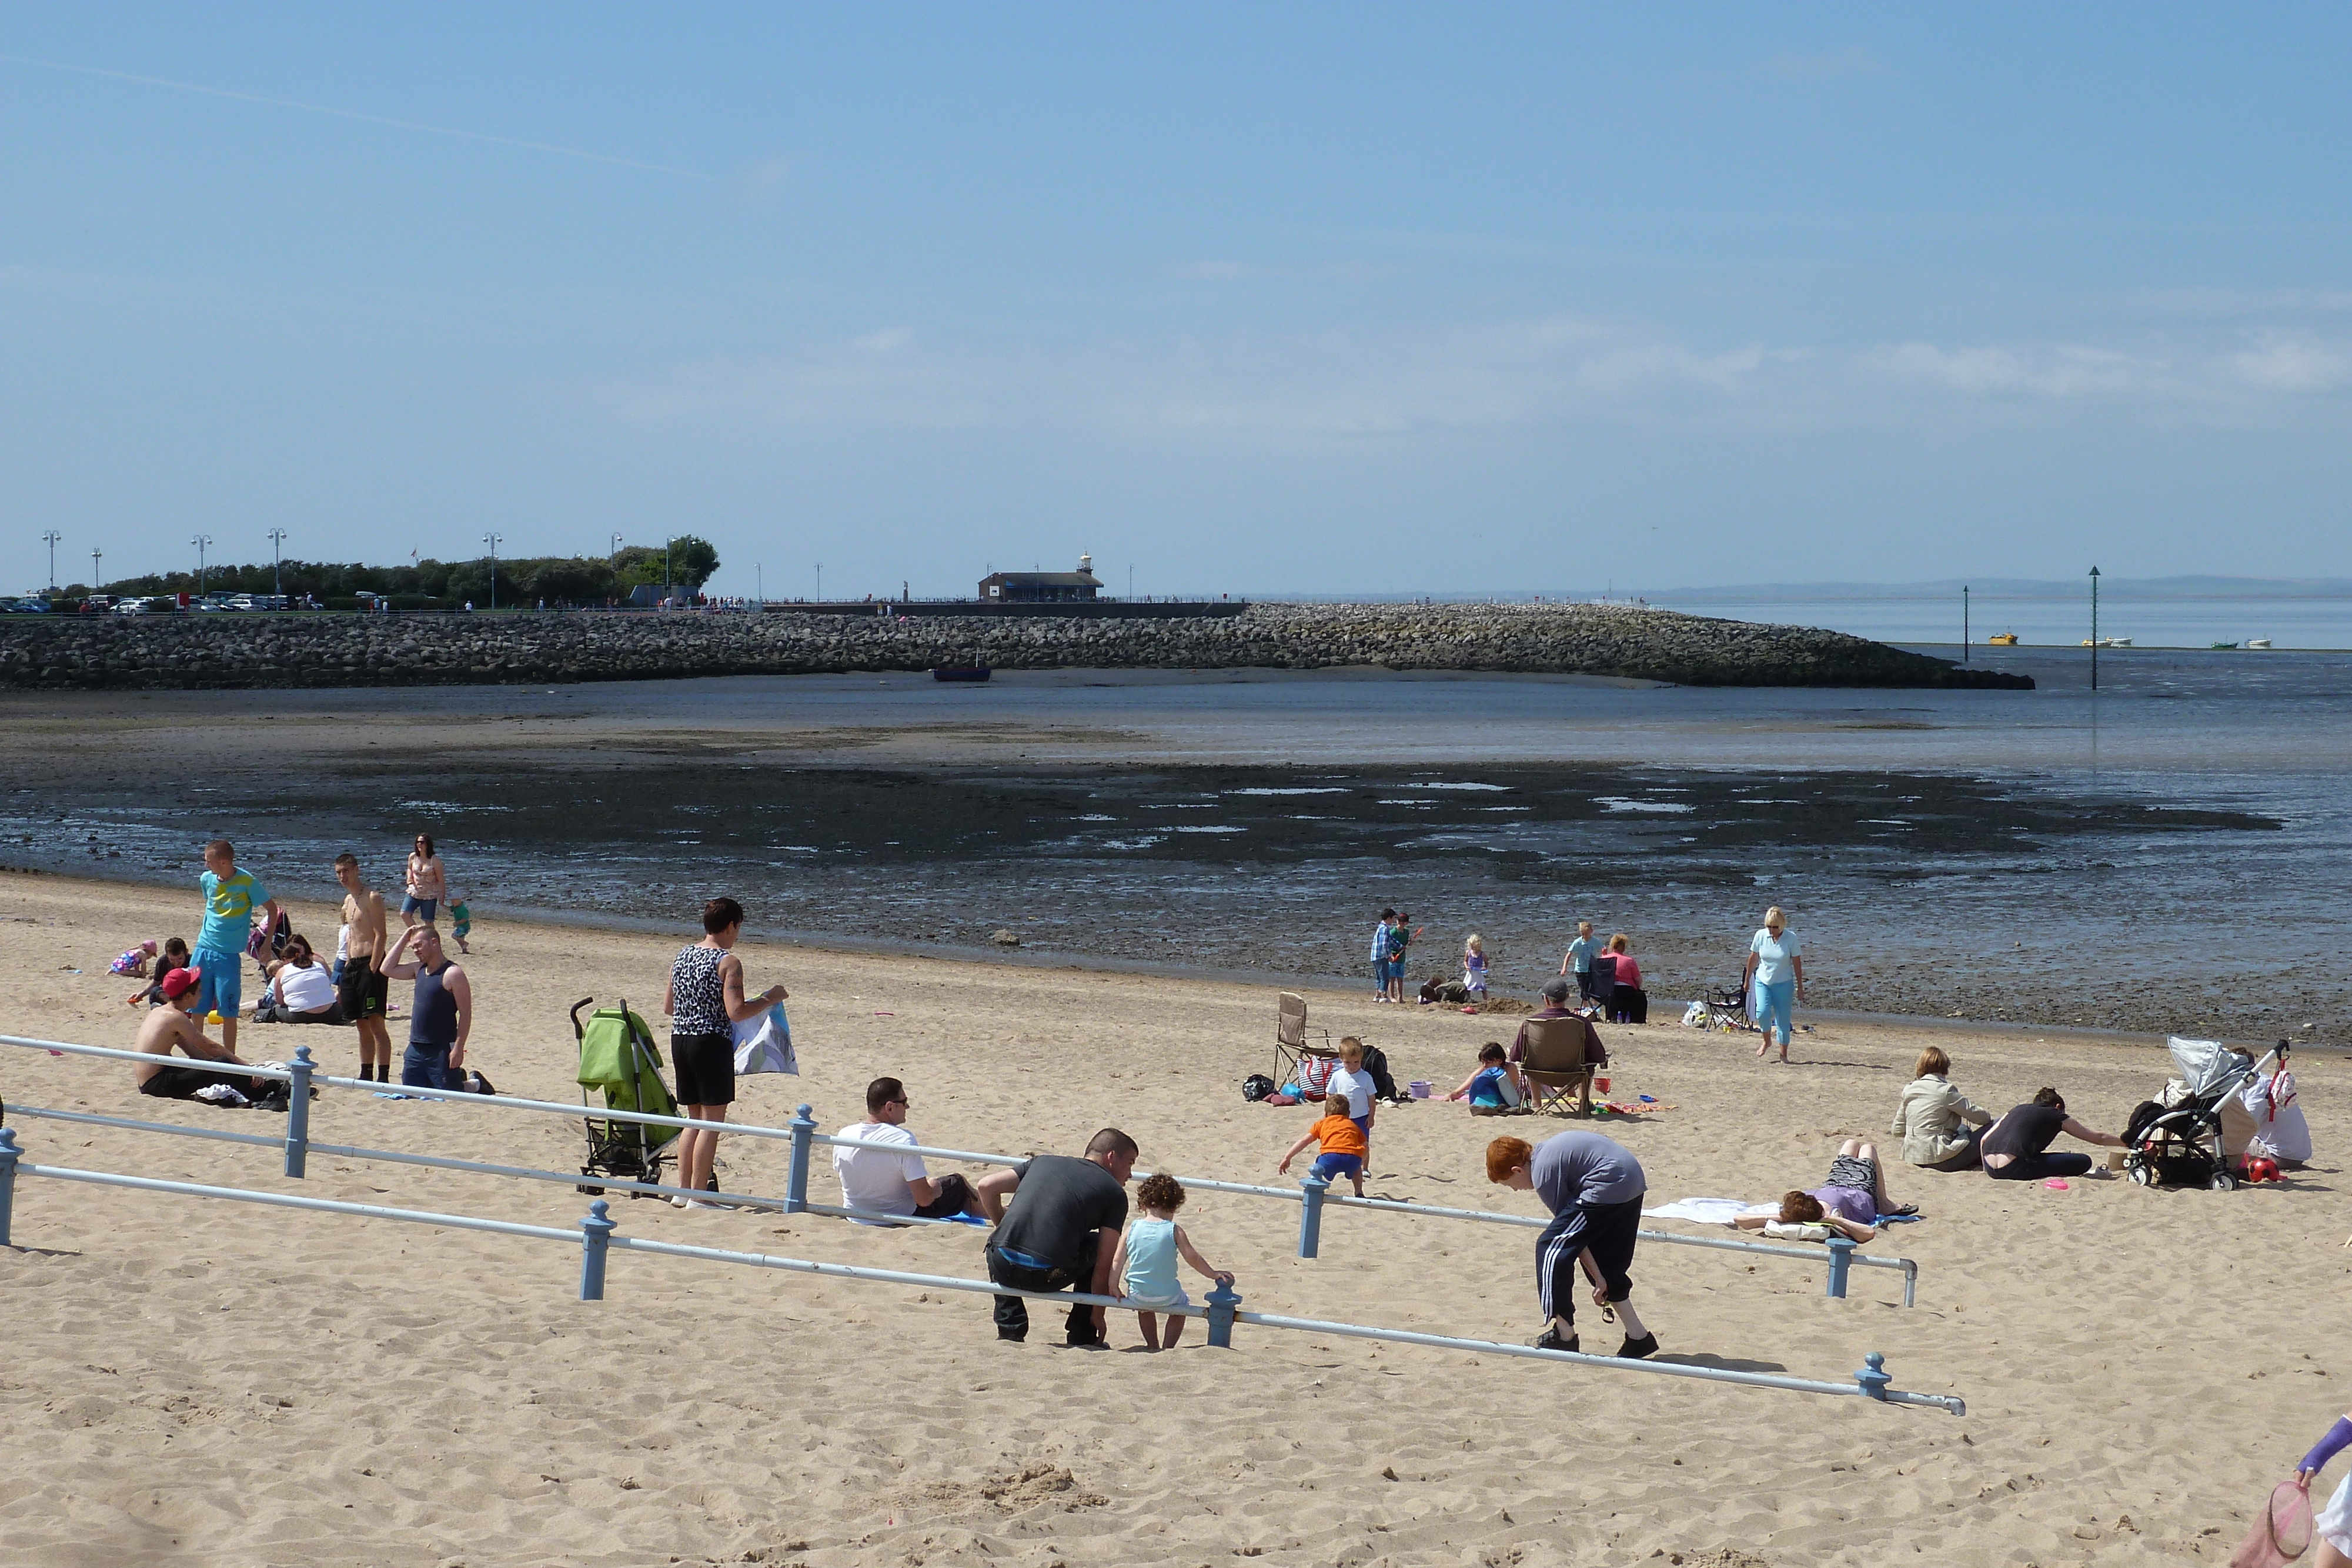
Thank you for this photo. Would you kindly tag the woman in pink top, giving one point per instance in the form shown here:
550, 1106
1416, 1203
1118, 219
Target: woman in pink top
1629, 1003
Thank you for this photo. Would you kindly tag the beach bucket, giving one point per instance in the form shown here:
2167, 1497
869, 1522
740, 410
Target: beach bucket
1601, 1086
1419, 1088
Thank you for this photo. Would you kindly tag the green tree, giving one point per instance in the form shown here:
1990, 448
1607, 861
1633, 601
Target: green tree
691, 561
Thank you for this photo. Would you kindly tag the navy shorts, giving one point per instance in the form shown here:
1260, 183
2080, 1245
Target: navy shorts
1332, 1166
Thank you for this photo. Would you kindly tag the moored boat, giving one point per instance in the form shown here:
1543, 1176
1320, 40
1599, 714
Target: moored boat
2003, 639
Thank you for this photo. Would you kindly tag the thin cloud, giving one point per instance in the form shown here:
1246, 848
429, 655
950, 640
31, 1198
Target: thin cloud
1850, 62
551, 147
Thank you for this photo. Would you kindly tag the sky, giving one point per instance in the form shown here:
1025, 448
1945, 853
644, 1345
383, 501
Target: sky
1252, 299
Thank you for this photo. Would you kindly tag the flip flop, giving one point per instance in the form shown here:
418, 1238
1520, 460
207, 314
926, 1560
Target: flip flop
1906, 1209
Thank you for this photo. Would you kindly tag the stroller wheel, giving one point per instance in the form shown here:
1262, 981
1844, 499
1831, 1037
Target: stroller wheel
2142, 1173
2223, 1182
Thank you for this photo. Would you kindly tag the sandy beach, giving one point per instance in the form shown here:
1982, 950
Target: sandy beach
194, 1381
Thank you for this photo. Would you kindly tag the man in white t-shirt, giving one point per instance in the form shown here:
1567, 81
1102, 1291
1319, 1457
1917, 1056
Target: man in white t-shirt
885, 1181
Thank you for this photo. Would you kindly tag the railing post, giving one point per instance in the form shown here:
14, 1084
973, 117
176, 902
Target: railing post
1910, 1281
1223, 1304
9, 1154
298, 1111
1873, 1375
596, 1229
803, 1126
1841, 1263
1310, 1217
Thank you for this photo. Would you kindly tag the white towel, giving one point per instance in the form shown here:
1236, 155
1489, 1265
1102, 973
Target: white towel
1706, 1210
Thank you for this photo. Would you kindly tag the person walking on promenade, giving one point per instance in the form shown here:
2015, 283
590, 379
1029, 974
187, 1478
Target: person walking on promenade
440, 1010
362, 991
1776, 975
230, 898
705, 1000
428, 883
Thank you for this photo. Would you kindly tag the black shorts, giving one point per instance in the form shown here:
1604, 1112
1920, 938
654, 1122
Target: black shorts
705, 1065
182, 1083
363, 992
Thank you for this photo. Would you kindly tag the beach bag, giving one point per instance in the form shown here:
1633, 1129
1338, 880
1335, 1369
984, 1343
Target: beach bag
1256, 1087
1315, 1076
2281, 1534
1376, 1068
765, 1044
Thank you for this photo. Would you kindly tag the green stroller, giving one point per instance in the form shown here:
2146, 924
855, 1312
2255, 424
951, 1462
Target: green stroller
618, 1055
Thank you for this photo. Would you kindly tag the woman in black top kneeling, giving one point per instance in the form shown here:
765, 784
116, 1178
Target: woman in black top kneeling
2013, 1146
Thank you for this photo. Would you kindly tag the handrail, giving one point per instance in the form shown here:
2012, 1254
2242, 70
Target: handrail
803, 1135
596, 1236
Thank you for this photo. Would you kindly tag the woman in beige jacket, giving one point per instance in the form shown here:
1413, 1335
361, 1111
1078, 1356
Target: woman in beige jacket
1936, 1125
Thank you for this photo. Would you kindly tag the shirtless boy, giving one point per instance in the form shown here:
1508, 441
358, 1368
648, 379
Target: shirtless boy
167, 1027
364, 988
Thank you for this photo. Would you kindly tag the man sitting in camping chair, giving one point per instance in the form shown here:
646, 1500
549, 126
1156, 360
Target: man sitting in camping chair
1561, 1054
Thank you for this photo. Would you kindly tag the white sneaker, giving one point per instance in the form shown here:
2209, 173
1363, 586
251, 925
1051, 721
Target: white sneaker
677, 1203
697, 1203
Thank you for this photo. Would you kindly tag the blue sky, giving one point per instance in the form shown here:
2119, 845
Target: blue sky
1252, 299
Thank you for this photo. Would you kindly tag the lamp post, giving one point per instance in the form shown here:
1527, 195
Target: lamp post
820, 582
200, 541
616, 554
51, 539
277, 584
760, 584
492, 539
95, 584
1964, 623
2094, 628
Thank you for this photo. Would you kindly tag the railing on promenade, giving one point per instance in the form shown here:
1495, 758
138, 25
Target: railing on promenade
597, 1236
302, 1076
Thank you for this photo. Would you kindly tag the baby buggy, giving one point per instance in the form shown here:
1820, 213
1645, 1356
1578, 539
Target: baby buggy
2176, 1141
617, 1056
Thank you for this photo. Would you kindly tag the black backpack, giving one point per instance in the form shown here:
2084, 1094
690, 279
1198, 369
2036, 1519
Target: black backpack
1375, 1063
1256, 1087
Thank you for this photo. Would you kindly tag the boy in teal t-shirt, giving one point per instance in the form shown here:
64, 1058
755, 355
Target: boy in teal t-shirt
230, 898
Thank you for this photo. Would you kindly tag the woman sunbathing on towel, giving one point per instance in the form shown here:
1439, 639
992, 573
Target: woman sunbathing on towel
1850, 1200
1804, 1209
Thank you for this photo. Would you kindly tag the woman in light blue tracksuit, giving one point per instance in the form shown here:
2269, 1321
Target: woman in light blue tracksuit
1776, 975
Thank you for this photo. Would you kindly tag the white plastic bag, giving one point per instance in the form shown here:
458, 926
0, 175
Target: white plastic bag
765, 1044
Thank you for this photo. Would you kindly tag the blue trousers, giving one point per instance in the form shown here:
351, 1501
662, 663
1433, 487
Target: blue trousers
426, 1067
1772, 1007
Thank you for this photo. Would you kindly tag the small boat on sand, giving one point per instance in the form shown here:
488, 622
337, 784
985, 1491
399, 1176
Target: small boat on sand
960, 672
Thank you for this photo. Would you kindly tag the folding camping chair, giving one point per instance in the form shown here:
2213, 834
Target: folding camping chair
1561, 1053
1294, 1042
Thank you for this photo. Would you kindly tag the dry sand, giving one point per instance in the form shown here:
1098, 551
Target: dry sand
191, 1382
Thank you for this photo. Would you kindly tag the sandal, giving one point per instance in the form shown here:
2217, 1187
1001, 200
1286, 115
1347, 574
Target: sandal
1906, 1209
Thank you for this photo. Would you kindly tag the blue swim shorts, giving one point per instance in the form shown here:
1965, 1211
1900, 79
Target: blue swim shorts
1331, 1168
220, 985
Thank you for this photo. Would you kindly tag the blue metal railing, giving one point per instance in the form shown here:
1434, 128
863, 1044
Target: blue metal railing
597, 1236
1313, 1195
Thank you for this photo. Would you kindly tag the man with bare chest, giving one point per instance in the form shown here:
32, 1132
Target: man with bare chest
364, 988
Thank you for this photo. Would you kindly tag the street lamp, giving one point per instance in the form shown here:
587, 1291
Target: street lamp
277, 585
760, 584
95, 583
820, 582
616, 554
2094, 628
51, 539
1964, 623
200, 541
492, 540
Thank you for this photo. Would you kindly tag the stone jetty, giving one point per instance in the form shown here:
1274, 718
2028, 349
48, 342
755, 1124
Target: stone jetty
227, 649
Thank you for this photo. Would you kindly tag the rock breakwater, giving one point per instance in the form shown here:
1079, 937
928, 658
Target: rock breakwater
228, 649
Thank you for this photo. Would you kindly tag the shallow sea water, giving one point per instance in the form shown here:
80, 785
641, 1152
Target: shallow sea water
2172, 852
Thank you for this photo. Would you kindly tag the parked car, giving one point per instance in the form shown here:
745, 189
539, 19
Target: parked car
131, 607
29, 607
